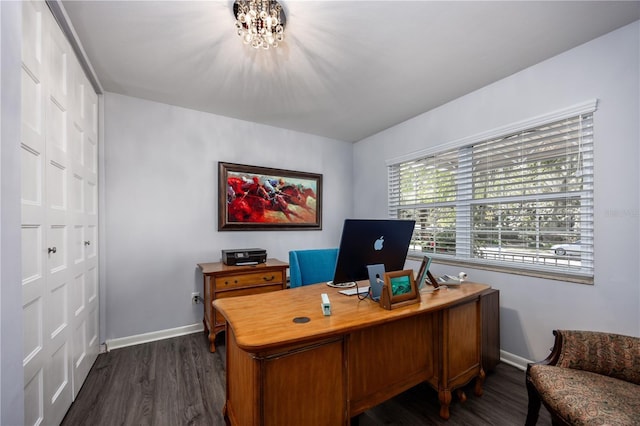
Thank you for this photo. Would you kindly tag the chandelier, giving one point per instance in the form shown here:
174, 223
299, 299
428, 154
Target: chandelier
260, 23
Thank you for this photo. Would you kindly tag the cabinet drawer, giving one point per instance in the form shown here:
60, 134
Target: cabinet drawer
249, 279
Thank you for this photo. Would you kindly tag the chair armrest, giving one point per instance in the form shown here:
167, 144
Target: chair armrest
554, 355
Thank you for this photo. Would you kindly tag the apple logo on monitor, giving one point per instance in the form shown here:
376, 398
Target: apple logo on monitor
378, 244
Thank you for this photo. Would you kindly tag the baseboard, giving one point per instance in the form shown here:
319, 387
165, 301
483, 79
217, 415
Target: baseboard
137, 339
514, 360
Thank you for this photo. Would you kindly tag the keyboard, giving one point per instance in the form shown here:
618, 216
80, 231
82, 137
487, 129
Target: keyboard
355, 290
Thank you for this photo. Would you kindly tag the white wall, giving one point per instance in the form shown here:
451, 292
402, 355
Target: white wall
607, 69
160, 211
11, 374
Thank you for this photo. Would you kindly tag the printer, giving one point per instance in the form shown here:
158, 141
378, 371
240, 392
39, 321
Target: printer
238, 257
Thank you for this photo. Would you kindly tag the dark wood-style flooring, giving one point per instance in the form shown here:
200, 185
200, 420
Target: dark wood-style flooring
178, 381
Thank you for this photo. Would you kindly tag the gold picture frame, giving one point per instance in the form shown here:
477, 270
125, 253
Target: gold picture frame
399, 289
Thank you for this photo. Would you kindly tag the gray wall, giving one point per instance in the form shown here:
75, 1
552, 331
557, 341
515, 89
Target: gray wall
160, 211
157, 229
11, 374
607, 69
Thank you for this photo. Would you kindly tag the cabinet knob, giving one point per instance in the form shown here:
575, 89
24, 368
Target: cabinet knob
269, 278
51, 250
86, 243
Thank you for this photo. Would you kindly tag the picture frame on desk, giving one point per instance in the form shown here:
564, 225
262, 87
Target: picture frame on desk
424, 275
399, 289
253, 198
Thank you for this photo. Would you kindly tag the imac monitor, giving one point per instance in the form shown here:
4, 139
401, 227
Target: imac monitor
369, 242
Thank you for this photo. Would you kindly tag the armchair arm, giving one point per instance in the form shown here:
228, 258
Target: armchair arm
552, 358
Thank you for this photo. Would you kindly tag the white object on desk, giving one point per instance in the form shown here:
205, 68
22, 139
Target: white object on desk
449, 280
326, 304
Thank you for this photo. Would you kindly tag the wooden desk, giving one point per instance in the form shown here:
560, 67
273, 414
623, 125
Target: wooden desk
490, 329
332, 368
221, 281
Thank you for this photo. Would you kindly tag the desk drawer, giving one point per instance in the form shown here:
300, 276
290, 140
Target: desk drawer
249, 279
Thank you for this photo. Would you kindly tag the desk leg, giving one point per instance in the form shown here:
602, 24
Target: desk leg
210, 335
227, 422
479, 383
445, 399
445, 395
212, 341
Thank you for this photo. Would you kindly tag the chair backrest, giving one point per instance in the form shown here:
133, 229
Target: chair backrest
610, 354
312, 266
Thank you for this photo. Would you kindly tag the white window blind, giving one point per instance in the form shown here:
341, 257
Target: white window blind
522, 199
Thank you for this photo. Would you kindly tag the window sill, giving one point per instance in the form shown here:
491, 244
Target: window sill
556, 276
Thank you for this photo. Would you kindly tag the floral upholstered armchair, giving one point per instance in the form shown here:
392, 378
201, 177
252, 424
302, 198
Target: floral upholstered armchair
590, 378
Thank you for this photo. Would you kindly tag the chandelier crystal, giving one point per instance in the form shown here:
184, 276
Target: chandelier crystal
260, 23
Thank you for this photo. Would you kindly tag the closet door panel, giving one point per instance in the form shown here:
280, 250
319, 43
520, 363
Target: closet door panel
84, 213
33, 211
33, 390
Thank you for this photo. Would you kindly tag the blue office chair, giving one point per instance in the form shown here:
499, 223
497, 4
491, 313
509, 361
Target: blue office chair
312, 266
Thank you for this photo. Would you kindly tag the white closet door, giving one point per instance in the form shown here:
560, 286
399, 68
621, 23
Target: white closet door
84, 263
59, 212
34, 255
57, 338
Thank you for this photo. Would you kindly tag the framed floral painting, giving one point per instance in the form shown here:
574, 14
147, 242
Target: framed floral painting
264, 198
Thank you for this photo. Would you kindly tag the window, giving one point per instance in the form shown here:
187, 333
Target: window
520, 197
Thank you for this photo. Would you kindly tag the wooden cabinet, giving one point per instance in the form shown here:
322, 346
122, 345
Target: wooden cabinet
221, 281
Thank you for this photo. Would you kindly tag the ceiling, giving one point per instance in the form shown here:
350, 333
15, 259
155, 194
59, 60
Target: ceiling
346, 70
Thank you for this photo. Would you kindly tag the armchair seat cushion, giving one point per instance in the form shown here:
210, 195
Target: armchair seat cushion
581, 397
